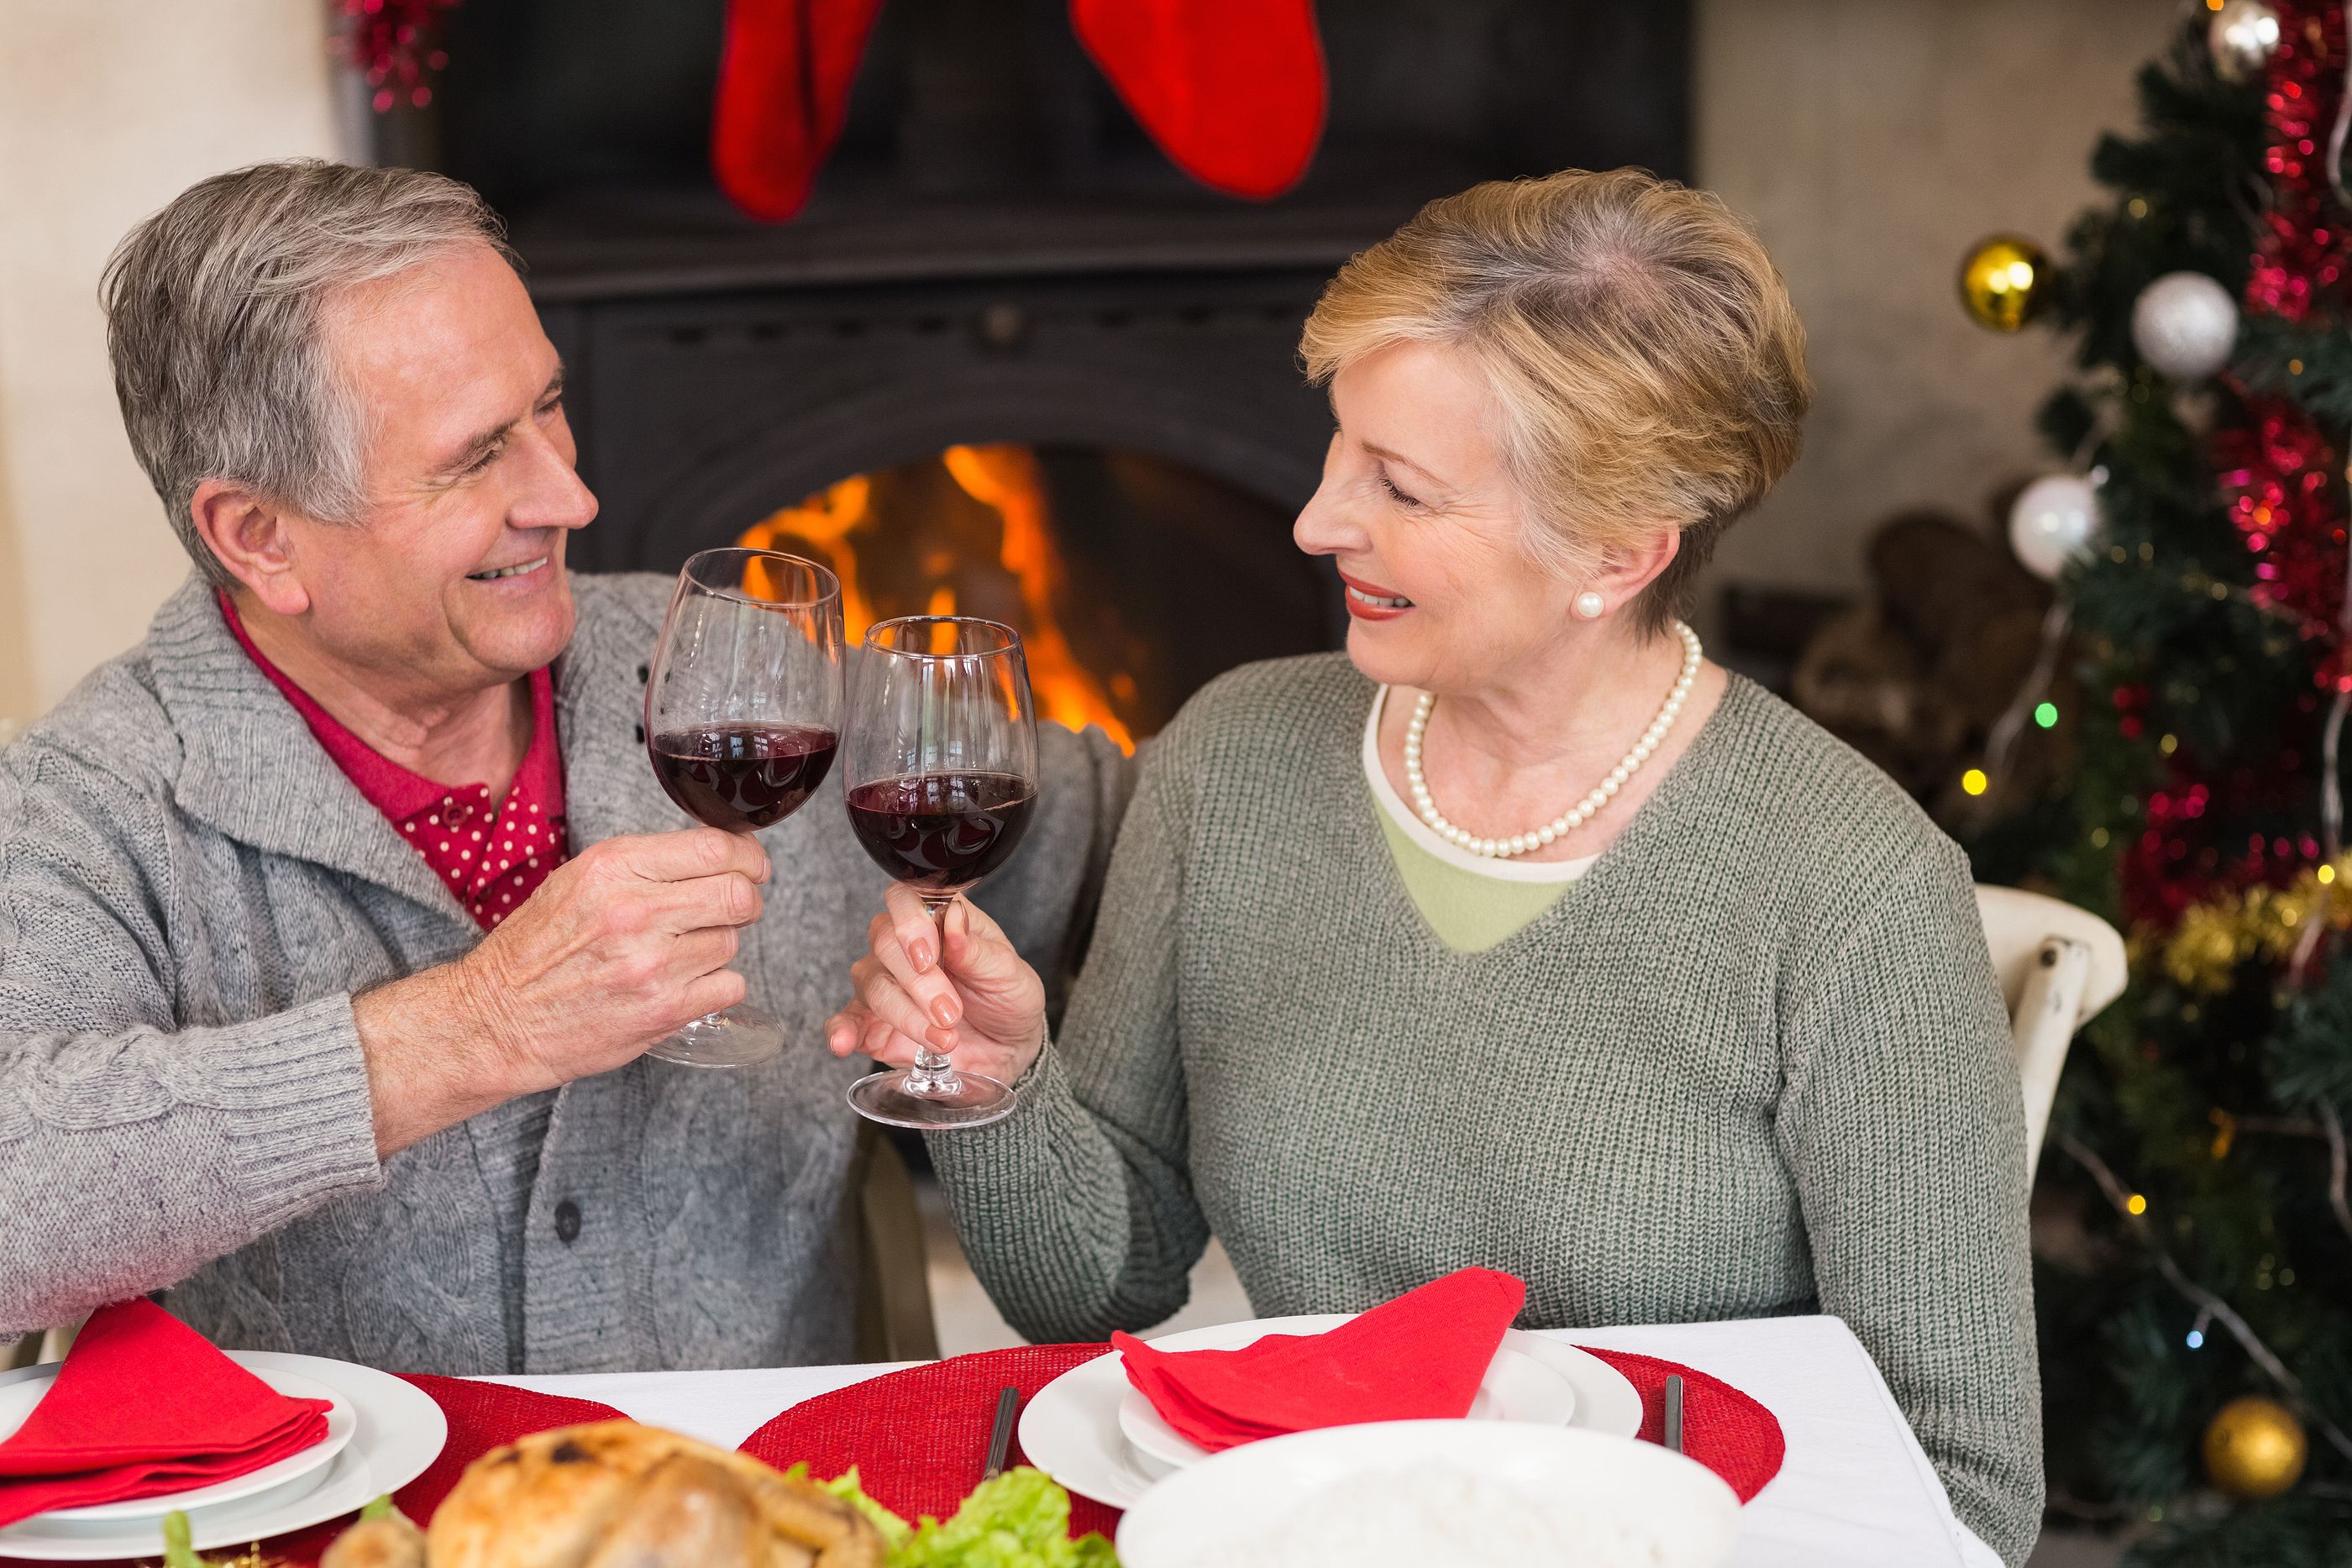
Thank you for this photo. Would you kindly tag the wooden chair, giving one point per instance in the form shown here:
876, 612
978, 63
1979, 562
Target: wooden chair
2058, 966
36, 1348
894, 1288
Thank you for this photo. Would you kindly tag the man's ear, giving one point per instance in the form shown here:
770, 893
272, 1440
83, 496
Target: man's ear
250, 537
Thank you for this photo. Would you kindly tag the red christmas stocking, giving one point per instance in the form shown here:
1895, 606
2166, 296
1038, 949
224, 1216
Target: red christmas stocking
1232, 91
783, 89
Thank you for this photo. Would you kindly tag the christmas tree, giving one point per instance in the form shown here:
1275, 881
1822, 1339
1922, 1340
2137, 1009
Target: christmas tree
2194, 1243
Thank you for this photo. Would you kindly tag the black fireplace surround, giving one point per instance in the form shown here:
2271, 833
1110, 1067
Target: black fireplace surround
995, 252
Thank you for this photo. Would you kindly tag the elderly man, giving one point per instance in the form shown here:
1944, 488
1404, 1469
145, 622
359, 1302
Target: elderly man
276, 1034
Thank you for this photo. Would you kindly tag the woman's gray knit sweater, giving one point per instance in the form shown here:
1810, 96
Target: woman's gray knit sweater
1754, 1062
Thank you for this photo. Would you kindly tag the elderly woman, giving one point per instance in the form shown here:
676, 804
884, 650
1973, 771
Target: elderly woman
1521, 935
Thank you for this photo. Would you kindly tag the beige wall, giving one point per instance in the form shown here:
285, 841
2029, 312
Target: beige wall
15, 641
1873, 141
107, 108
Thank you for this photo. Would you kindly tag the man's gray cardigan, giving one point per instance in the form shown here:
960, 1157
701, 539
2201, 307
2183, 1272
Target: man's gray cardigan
190, 892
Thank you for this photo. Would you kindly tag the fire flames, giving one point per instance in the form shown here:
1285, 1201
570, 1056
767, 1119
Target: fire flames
1009, 482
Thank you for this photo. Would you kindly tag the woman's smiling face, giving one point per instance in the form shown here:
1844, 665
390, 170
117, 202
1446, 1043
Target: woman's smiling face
1427, 530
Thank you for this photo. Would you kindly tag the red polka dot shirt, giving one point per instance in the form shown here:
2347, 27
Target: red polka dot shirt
492, 856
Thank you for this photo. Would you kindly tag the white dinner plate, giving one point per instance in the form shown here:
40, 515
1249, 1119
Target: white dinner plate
1516, 1387
396, 1432
1603, 1494
18, 1397
1070, 1431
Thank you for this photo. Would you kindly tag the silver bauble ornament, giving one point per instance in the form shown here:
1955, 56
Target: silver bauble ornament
2242, 36
2184, 324
2054, 520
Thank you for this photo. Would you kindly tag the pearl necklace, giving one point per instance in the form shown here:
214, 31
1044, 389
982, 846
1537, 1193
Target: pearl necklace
1575, 816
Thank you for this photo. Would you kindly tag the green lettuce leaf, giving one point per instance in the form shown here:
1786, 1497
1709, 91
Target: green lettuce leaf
1019, 1520
179, 1548
895, 1531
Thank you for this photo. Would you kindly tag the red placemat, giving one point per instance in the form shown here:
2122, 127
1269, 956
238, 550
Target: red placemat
482, 1416
1723, 1428
919, 1437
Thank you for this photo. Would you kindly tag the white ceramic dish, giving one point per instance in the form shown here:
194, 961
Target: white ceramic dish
283, 1477
1212, 1511
396, 1432
1070, 1431
1516, 1387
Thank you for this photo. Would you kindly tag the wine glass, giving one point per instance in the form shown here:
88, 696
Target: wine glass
743, 718
941, 774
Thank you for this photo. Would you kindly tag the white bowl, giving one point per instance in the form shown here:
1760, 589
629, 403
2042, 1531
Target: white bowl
1216, 1511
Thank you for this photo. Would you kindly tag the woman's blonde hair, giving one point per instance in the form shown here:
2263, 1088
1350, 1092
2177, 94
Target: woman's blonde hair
1647, 364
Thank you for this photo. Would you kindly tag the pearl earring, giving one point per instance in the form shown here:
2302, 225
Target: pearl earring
1589, 605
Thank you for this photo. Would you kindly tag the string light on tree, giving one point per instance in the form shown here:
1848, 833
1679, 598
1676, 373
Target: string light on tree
2003, 282
2055, 521
2184, 325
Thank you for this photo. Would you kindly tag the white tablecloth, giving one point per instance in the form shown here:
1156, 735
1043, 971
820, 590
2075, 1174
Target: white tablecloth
1855, 1490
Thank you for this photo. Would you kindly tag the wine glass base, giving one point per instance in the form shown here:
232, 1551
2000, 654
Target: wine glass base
739, 1037
977, 1100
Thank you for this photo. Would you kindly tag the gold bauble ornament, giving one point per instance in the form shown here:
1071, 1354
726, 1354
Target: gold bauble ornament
2254, 1448
2002, 282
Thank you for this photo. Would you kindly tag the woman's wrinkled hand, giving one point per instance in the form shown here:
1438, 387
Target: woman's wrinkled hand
956, 986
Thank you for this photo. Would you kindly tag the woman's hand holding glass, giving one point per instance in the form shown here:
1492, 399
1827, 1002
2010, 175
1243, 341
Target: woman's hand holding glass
978, 998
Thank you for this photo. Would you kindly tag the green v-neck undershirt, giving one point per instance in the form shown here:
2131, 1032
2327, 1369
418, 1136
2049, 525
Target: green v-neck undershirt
1470, 911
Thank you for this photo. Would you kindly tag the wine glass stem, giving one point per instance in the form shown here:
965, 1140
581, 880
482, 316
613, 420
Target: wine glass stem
931, 1074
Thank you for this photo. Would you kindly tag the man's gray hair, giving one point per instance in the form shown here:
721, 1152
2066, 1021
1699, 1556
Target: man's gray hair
215, 322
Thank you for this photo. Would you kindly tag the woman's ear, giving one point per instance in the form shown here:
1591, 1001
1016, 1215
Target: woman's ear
250, 537
1629, 569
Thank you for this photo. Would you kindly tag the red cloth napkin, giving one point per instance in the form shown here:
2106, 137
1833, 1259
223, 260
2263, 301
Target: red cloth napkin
482, 1416
1421, 1356
143, 1406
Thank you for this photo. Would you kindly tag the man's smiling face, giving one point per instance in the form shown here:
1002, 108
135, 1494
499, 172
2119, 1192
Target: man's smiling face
453, 580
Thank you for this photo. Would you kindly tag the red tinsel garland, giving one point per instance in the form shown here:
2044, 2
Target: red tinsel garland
2177, 862
2280, 476
2303, 251
395, 45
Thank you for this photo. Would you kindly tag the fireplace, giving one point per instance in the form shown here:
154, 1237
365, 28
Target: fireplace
1132, 578
1007, 358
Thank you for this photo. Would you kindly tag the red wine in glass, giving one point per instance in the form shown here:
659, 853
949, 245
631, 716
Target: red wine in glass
938, 769
742, 715
741, 777
941, 831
